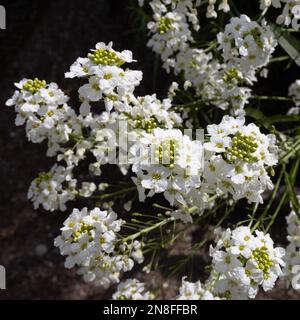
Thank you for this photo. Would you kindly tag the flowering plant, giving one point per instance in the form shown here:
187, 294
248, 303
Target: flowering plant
142, 173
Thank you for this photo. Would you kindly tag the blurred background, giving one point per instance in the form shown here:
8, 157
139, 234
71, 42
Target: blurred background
43, 38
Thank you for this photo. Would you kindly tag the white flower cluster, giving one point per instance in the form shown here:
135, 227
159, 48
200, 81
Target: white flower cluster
245, 44
197, 67
42, 107
290, 12
226, 89
168, 162
89, 239
234, 161
106, 79
146, 113
132, 289
243, 262
194, 291
71, 137
109, 83
294, 93
170, 29
238, 158
53, 189
292, 256
217, 84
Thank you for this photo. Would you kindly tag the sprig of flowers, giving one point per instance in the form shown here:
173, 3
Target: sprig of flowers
242, 262
89, 239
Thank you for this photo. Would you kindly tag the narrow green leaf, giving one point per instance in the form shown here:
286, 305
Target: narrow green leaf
259, 117
288, 42
268, 121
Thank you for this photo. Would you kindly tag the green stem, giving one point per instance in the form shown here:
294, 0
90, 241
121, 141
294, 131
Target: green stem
234, 8
263, 14
213, 45
275, 98
147, 230
108, 195
281, 203
279, 59
274, 194
294, 148
196, 103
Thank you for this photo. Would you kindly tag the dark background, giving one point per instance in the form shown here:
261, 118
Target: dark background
43, 38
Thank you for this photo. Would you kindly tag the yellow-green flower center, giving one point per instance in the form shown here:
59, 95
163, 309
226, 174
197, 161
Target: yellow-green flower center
242, 148
164, 24
231, 75
33, 86
227, 259
226, 295
107, 76
84, 229
156, 176
147, 125
261, 256
255, 33
43, 176
166, 153
112, 97
105, 57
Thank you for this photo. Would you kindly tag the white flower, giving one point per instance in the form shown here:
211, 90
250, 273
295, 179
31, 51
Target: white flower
294, 92
87, 189
267, 3
218, 143
225, 261
290, 14
156, 179
245, 44
132, 289
223, 5
91, 91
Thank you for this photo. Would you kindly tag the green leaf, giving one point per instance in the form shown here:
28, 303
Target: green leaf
288, 42
259, 117
268, 121
284, 118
